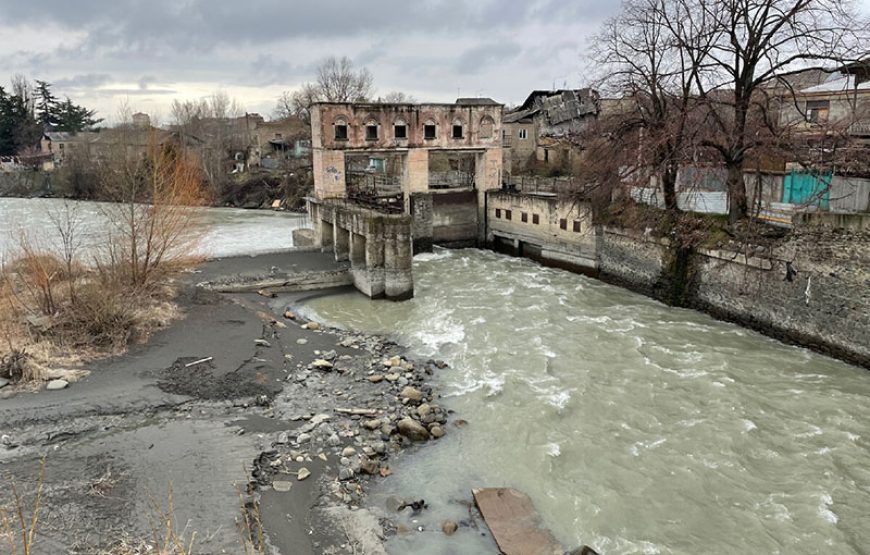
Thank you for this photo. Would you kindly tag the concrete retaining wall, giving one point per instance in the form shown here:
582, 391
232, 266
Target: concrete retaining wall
812, 289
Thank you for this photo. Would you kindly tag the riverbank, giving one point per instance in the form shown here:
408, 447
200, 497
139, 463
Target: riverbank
238, 409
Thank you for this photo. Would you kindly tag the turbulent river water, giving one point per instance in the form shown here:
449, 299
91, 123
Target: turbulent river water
227, 231
635, 427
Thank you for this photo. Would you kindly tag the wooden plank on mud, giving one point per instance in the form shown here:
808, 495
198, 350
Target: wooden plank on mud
514, 522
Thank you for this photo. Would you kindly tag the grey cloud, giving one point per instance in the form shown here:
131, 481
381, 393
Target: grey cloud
479, 57
86, 81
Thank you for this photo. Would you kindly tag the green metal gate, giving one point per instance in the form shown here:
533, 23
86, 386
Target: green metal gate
807, 189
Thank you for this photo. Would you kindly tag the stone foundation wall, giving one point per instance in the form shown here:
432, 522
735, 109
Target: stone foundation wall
630, 259
813, 288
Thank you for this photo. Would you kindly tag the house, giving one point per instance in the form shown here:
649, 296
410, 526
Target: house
542, 131
274, 142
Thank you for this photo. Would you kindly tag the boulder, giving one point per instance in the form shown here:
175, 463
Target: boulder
412, 394
311, 326
376, 378
322, 364
413, 430
57, 384
449, 527
303, 473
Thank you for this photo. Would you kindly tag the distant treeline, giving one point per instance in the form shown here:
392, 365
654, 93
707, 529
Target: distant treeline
29, 109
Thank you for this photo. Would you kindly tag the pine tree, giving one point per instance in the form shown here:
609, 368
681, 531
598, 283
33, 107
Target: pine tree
47, 104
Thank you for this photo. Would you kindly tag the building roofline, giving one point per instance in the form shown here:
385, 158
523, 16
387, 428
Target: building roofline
409, 104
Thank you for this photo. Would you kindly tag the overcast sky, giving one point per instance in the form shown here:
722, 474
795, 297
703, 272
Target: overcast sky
102, 53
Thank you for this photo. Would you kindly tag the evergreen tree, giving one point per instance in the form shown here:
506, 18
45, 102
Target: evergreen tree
46, 105
68, 116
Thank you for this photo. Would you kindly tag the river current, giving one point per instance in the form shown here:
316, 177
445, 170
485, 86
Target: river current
226, 231
635, 427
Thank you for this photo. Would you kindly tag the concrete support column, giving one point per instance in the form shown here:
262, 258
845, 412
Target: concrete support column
329, 174
487, 177
375, 261
342, 242
398, 259
416, 178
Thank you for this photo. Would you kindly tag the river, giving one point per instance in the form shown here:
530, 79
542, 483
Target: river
634, 427
225, 231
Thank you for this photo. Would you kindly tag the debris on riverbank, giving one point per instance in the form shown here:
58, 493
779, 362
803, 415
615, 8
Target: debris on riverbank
299, 419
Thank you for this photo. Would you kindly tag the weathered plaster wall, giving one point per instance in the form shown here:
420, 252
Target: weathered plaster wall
481, 125
329, 174
545, 240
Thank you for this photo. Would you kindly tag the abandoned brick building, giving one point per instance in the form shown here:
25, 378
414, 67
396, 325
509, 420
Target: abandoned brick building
433, 162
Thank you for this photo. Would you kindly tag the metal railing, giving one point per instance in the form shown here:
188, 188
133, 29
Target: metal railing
452, 179
533, 184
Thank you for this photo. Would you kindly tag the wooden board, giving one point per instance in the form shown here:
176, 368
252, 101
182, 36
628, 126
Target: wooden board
514, 522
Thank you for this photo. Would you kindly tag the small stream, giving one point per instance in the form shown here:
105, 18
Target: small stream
634, 427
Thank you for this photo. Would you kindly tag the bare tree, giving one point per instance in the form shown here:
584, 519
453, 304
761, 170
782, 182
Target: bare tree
752, 44
397, 97
641, 56
337, 81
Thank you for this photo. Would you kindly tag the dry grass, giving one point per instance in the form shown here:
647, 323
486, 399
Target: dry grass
16, 524
61, 306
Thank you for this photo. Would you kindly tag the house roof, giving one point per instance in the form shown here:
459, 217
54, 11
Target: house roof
838, 83
520, 116
530, 100
477, 101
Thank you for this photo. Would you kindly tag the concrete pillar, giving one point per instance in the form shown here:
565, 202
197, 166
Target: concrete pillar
398, 258
357, 250
416, 178
327, 233
329, 174
342, 240
487, 177
375, 260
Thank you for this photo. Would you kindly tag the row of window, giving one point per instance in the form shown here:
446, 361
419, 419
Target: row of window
524, 217
400, 130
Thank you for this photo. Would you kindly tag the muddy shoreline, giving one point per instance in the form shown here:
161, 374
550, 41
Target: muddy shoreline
239, 410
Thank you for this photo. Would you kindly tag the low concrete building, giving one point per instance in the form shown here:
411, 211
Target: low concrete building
544, 227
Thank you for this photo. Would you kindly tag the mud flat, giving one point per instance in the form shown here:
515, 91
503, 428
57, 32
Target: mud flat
253, 424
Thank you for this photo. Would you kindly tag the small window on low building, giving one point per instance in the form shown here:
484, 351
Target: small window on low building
563, 224
429, 131
457, 131
340, 131
523, 134
400, 131
371, 132
507, 214
817, 111
498, 212
576, 227
524, 217
536, 219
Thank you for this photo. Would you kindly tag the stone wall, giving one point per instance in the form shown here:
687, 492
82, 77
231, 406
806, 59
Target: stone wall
630, 259
812, 288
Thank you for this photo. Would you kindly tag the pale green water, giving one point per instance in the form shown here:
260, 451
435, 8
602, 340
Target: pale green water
636, 428
228, 231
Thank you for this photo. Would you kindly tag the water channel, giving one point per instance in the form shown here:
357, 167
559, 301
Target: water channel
635, 427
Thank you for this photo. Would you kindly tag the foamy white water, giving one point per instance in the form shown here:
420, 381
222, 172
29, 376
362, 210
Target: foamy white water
635, 427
